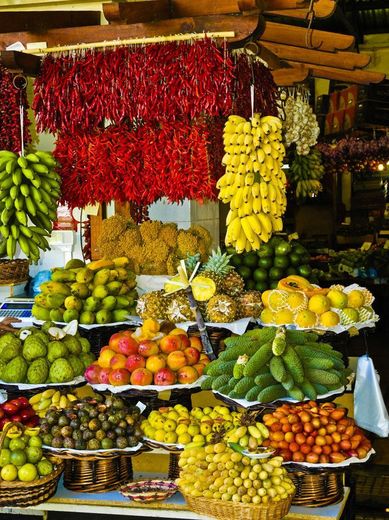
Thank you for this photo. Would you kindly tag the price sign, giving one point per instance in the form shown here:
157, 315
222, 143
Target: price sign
92, 210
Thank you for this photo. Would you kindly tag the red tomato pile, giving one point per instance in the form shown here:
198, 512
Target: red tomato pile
18, 410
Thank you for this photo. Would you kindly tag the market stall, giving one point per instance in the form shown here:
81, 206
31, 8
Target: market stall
215, 354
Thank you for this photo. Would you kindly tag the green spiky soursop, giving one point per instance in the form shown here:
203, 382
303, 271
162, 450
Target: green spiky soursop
15, 371
61, 371
85, 344
55, 350
73, 344
77, 365
38, 371
87, 358
10, 346
33, 348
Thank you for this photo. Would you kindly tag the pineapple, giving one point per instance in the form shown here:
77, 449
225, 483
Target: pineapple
249, 304
221, 308
191, 262
232, 284
178, 308
152, 305
217, 268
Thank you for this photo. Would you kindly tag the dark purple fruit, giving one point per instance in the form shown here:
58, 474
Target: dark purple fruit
66, 431
57, 442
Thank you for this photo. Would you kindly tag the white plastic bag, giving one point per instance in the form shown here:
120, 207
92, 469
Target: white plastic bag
370, 411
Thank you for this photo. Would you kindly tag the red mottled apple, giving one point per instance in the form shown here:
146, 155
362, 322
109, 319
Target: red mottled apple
141, 377
119, 377
164, 377
170, 343
147, 348
135, 361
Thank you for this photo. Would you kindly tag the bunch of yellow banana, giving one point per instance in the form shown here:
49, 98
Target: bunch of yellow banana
29, 193
305, 172
50, 398
254, 183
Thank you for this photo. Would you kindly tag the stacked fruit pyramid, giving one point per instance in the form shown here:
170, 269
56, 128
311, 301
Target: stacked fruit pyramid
41, 357
29, 193
298, 302
148, 356
99, 292
262, 269
221, 295
264, 365
254, 183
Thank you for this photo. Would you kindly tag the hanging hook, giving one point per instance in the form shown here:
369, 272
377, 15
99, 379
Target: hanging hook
309, 34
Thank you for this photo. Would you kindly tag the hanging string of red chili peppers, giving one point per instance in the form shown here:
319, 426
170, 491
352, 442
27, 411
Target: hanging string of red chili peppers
148, 83
9, 114
118, 163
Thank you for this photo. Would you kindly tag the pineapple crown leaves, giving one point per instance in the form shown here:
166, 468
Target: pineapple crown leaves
191, 261
218, 262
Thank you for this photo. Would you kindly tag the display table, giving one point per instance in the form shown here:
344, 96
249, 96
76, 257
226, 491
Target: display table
113, 503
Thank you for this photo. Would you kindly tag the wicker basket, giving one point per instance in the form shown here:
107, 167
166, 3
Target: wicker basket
317, 489
238, 511
99, 336
92, 475
216, 336
13, 271
25, 494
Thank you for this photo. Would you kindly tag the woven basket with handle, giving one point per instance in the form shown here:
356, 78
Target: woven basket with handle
25, 494
13, 271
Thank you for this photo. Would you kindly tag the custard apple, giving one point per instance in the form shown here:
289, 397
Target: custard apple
33, 348
61, 371
10, 346
38, 371
55, 350
15, 371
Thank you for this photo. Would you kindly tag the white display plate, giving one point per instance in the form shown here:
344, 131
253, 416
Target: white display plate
166, 445
132, 320
156, 388
92, 452
347, 462
27, 386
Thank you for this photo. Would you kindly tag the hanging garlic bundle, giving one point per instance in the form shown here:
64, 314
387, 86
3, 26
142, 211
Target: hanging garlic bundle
300, 123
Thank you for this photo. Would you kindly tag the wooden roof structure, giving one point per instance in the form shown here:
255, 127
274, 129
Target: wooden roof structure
294, 51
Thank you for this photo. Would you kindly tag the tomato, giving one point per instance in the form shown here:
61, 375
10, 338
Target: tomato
27, 413
10, 408
22, 402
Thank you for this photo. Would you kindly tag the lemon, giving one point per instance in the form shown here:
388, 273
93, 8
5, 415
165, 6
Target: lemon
283, 317
203, 288
305, 319
9, 472
184, 438
319, 304
159, 435
337, 298
170, 437
267, 316
27, 473
297, 301
277, 299
355, 299
329, 319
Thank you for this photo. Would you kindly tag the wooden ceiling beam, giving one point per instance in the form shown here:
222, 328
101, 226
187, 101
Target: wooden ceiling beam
291, 76
322, 9
361, 77
136, 12
277, 5
18, 62
41, 21
340, 60
297, 36
244, 27
183, 8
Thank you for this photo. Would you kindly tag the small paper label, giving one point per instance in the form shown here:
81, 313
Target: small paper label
92, 210
366, 246
293, 236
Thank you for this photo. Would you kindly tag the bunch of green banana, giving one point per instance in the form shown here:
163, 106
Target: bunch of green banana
305, 172
254, 183
29, 193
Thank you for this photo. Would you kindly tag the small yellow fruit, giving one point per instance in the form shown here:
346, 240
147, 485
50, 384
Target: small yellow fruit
355, 299
319, 303
267, 316
305, 319
337, 298
283, 317
329, 319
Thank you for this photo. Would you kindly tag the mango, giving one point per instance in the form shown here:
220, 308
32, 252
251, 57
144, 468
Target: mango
100, 264
114, 287
114, 275
49, 301
122, 302
74, 263
70, 315
121, 261
120, 315
57, 314
72, 302
40, 313
109, 302
122, 274
102, 277
84, 275
80, 290
91, 304
54, 288
103, 316
63, 275
100, 291
87, 318
124, 289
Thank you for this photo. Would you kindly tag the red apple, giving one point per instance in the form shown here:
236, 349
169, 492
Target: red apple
118, 361
142, 377
170, 343
192, 355
195, 342
104, 376
184, 340
187, 375
119, 377
147, 348
123, 343
92, 373
135, 361
164, 377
